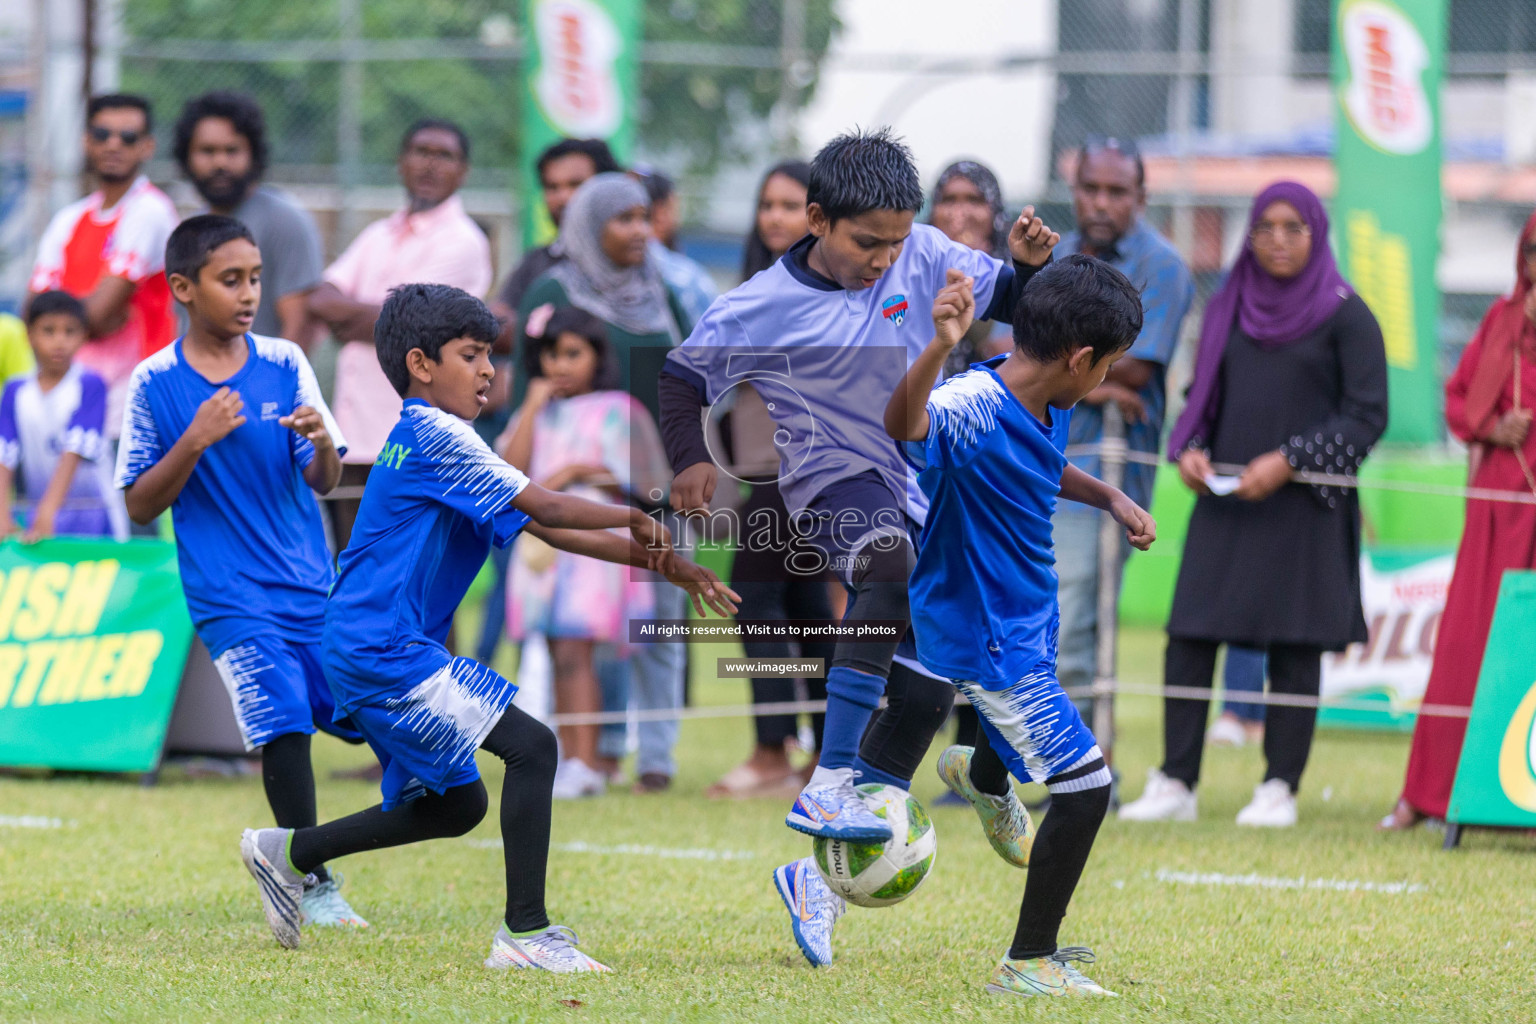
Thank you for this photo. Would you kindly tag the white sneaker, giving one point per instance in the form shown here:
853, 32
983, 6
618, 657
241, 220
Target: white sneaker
1163, 799
575, 779
553, 949
1273, 806
1227, 731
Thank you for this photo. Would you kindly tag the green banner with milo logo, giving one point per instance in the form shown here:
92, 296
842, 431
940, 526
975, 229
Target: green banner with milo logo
1388, 60
580, 80
93, 640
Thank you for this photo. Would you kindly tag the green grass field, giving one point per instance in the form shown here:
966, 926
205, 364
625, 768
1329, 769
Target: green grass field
137, 908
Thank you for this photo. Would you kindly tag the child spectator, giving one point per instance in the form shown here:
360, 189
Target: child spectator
52, 421
579, 432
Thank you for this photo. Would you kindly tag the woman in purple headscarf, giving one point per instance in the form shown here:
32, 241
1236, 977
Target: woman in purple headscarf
1291, 376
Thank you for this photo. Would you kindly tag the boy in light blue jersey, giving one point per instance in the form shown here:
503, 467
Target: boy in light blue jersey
984, 589
824, 336
437, 499
228, 430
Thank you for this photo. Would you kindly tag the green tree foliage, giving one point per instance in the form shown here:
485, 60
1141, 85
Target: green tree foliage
692, 108
685, 109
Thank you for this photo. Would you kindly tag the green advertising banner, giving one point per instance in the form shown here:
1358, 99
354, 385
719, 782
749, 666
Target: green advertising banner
93, 639
1496, 778
580, 81
1387, 63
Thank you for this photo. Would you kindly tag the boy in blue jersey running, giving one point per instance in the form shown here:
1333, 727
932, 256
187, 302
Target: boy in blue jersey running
436, 501
228, 430
984, 589
824, 336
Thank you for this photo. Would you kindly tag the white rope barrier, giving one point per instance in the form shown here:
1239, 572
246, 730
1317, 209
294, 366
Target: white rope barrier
1349, 480
1100, 688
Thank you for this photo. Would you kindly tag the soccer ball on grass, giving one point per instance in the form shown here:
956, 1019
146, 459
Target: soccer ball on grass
881, 874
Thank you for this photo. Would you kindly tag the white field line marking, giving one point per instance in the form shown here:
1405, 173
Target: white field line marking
634, 850
31, 821
1272, 882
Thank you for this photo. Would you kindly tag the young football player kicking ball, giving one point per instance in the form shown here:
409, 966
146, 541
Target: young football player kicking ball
984, 589
436, 501
826, 336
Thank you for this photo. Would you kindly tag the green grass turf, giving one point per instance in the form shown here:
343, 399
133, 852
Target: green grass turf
138, 909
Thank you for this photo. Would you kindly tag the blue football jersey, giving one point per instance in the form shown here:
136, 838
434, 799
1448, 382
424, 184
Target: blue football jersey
437, 499
984, 589
249, 540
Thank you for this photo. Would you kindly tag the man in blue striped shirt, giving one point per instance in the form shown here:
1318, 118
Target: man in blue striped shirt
1109, 194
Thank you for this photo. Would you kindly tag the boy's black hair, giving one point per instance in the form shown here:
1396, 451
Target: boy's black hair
658, 187
238, 109
441, 125
55, 302
596, 150
1110, 144
1076, 302
121, 101
861, 171
427, 316
193, 241
570, 320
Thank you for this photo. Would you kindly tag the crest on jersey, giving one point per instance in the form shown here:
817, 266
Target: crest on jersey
894, 309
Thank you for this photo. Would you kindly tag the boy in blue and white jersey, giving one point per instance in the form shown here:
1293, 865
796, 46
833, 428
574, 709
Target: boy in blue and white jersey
824, 336
52, 433
228, 430
436, 501
984, 590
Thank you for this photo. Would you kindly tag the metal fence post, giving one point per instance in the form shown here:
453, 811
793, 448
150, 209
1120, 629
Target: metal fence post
1112, 470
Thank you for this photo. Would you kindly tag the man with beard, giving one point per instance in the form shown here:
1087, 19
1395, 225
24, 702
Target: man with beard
108, 249
221, 145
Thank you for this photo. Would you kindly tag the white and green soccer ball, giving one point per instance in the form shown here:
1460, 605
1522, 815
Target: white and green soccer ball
881, 874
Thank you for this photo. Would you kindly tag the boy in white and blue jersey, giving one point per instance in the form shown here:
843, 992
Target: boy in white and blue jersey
53, 433
984, 590
824, 336
228, 430
436, 501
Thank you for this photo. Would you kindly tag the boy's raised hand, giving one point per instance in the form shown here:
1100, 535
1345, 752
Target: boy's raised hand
216, 418
1140, 528
308, 424
954, 308
1030, 240
705, 588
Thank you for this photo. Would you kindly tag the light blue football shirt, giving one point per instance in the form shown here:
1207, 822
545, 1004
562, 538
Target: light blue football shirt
249, 541
984, 590
826, 360
436, 500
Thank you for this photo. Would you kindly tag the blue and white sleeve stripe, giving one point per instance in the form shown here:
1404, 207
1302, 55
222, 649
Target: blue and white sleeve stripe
140, 446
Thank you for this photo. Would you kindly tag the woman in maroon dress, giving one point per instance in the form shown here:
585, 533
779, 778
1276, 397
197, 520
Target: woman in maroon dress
1488, 405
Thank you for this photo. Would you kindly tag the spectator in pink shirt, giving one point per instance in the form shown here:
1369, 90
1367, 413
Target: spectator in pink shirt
431, 241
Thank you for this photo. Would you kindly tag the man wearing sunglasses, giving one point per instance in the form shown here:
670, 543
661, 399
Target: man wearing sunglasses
108, 249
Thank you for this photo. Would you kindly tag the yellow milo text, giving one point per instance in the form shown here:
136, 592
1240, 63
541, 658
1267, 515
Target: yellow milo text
49, 650
1381, 269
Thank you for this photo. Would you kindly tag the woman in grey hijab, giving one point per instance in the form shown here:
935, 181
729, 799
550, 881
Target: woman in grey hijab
604, 268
